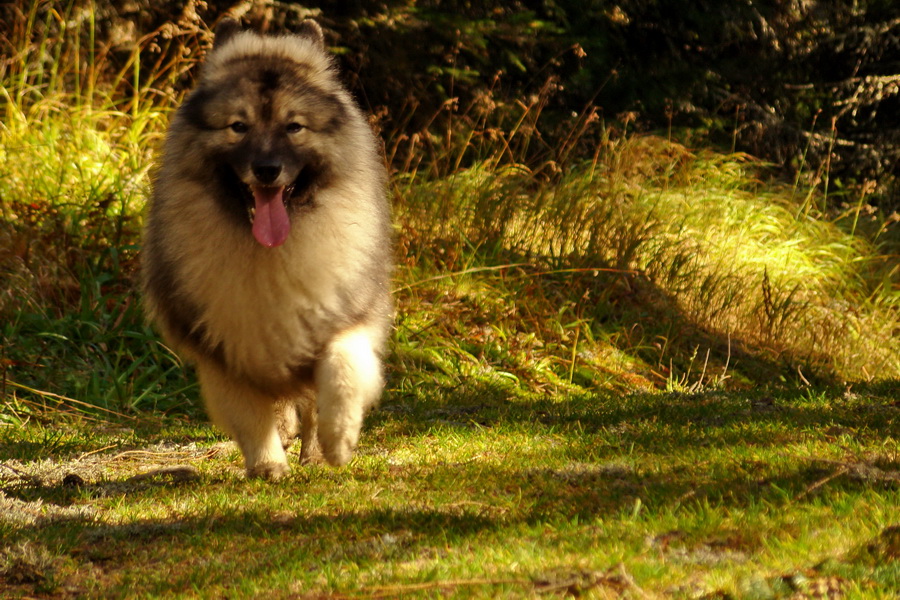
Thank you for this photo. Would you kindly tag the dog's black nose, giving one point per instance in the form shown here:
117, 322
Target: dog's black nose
266, 172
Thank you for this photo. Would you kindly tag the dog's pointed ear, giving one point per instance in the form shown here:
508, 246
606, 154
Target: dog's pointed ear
225, 30
313, 31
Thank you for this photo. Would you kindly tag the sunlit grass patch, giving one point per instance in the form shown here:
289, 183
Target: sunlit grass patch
77, 142
74, 179
695, 232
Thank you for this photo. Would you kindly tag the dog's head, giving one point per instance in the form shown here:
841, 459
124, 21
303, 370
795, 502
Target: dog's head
264, 115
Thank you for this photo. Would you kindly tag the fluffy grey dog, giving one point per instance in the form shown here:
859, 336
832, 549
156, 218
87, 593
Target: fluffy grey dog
267, 254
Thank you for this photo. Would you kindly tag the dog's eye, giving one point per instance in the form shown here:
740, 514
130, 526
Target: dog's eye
293, 127
239, 127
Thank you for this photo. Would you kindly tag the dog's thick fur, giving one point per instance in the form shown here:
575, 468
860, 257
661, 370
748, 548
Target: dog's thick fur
280, 309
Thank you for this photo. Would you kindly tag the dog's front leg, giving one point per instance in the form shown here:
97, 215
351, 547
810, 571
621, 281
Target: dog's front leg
249, 417
350, 381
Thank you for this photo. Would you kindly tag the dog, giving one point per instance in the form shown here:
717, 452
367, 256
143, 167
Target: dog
267, 251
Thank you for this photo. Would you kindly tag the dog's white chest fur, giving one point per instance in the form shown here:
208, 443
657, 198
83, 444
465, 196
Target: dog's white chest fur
268, 309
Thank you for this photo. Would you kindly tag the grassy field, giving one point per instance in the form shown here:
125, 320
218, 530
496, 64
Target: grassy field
474, 492
641, 371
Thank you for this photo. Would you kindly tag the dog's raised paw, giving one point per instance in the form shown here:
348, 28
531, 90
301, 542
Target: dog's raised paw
269, 471
339, 452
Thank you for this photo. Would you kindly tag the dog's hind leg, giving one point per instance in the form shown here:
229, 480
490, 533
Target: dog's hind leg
349, 381
249, 417
287, 419
310, 451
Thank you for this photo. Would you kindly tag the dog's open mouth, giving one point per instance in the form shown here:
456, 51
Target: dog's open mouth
269, 215
267, 207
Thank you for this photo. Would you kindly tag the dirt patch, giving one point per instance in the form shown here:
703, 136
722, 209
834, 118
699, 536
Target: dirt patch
44, 491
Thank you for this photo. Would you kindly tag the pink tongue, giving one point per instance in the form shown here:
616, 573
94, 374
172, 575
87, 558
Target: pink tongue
271, 224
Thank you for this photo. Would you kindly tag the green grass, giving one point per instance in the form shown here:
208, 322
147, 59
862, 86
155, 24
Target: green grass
650, 227
473, 493
636, 371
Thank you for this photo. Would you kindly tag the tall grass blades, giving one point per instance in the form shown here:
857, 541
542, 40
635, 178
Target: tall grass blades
695, 232
76, 148
610, 260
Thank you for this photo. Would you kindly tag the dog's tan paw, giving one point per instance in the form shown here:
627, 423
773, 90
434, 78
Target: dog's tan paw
269, 471
339, 452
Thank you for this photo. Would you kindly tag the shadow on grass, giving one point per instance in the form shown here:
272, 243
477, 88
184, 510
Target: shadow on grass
229, 546
605, 453
655, 420
239, 535
598, 463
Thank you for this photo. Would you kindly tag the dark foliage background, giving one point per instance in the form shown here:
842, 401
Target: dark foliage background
810, 85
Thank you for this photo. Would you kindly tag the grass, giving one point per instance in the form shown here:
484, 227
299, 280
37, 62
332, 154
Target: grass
623, 368
695, 234
471, 492
75, 159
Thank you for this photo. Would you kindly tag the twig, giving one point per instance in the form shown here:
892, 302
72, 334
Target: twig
166, 455
86, 454
17, 472
463, 272
511, 265
630, 582
66, 399
389, 591
859, 470
810, 489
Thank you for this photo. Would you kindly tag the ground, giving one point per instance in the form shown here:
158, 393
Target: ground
473, 493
